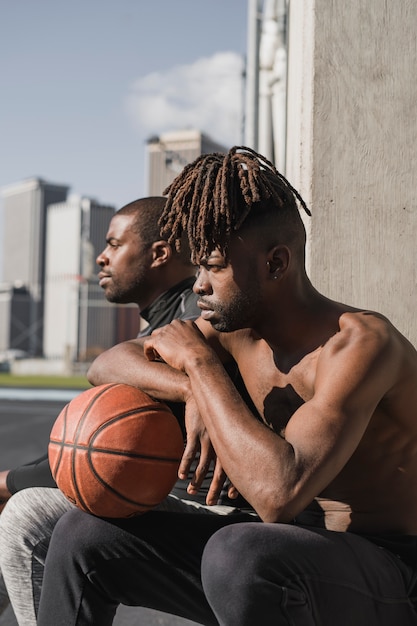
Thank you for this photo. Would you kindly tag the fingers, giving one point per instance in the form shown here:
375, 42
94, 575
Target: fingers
216, 486
198, 477
232, 492
149, 351
190, 453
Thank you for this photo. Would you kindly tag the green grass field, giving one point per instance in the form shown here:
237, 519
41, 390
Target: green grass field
48, 382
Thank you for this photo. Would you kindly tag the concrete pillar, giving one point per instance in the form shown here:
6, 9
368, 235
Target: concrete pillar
352, 149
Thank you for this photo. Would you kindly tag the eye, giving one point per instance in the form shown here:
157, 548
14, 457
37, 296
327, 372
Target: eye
210, 267
213, 267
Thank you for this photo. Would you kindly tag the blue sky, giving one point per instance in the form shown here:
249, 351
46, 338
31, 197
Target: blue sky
85, 83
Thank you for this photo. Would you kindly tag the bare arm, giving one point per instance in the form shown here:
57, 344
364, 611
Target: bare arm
4, 491
281, 476
125, 363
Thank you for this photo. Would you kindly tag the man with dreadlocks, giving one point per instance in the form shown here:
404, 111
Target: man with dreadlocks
327, 459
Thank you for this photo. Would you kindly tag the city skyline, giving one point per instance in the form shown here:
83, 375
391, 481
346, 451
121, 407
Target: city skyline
51, 303
86, 85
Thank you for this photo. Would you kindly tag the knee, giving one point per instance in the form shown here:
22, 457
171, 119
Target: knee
14, 509
14, 519
71, 532
30, 515
228, 558
79, 537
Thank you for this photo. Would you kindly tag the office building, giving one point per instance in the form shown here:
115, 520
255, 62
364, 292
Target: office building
24, 224
169, 152
79, 322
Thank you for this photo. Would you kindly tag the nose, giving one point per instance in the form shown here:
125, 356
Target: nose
202, 284
102, 259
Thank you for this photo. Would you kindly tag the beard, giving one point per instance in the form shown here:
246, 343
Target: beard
126, 289
118, 297
236, 314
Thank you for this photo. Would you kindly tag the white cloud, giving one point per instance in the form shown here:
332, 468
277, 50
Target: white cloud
206, 95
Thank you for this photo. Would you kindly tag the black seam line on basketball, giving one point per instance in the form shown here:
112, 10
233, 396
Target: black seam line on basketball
88, 407
117, 493
125, 453
117, 418
113, 490
59, 459
77, 432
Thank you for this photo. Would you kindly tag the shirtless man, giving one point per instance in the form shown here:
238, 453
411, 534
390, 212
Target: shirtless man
329, 462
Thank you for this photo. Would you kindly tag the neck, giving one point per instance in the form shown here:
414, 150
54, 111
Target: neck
160, 284
301, 324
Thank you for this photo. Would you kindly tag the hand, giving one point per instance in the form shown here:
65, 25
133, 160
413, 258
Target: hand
216, 486
176, 343
197, 442
4, 492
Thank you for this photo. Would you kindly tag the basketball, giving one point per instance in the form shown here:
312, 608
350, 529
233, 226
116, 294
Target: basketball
114, 451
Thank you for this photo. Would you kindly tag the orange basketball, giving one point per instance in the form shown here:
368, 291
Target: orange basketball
114, 451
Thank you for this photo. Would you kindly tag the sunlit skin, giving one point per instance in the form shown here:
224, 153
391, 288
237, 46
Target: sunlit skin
124, 264
336, 388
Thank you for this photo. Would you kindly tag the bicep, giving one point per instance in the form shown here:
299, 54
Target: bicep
351, 379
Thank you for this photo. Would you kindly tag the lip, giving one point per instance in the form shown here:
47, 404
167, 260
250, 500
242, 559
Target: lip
203, 306
103, 278
206, 311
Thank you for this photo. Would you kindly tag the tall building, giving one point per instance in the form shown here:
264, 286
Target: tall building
169, 152
79, 322
24, 225
15, 301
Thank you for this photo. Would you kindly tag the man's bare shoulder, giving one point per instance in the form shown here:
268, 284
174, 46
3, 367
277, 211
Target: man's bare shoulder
373, 342
370, 327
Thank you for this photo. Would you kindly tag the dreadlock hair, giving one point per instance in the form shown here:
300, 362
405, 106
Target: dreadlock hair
219, 193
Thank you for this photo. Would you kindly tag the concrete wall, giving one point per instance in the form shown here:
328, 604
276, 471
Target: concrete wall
351, 149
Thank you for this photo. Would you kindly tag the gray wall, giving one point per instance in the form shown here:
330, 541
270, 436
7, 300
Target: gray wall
351, 149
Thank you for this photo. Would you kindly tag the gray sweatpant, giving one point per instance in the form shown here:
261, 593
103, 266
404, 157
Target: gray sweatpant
26, 526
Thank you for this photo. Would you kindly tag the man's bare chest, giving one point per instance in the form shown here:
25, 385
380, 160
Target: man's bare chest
277, 393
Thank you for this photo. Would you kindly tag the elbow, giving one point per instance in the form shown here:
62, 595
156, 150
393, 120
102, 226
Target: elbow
277, 508
92, 374
275, 515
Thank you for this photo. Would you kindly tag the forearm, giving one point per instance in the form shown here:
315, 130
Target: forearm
256, 460
125, 363
35, 474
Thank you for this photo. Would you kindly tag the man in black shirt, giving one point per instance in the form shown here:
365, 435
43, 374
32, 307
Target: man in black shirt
136, 266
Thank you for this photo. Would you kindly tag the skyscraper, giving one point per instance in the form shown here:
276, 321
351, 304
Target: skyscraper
169, 152
24, 225
79, 322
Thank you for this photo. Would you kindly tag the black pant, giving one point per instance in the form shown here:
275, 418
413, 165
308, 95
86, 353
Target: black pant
253, 573
154, 560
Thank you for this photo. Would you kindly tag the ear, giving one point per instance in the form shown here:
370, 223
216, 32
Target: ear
278, 262
161, 253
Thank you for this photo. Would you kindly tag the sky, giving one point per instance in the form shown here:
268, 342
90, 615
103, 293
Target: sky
85, 83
